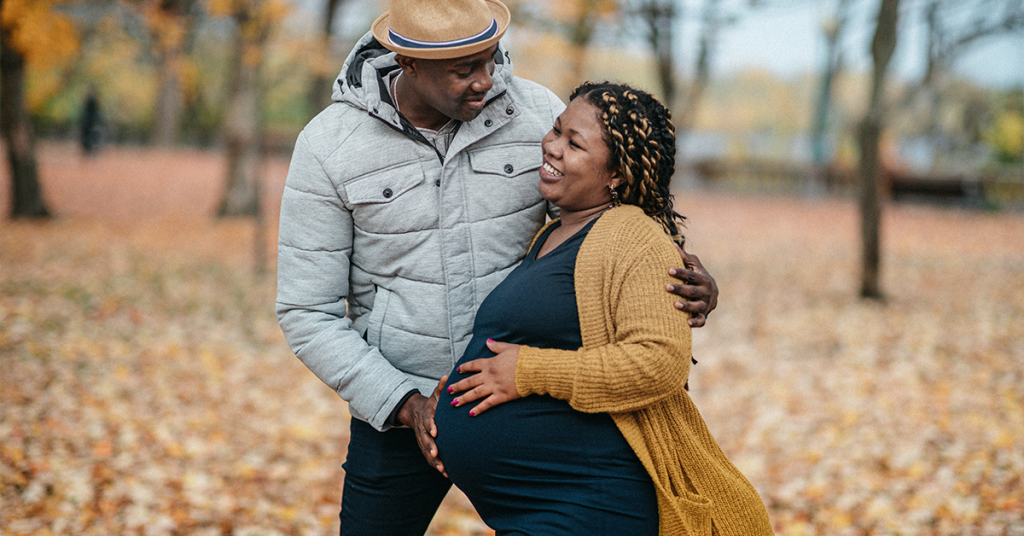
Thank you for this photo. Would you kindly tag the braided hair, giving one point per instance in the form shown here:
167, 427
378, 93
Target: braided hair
642, 140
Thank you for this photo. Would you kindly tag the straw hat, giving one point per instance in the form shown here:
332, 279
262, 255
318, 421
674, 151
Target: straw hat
441, 29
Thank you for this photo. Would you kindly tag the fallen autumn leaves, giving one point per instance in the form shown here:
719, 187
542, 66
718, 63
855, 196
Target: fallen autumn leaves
856, 417
151, 393
146, 388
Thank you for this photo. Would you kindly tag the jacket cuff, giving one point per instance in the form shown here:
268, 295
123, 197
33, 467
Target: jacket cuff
392, 419
545, 371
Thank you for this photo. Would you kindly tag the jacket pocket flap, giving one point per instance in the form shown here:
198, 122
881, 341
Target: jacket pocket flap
385, 185
507, 159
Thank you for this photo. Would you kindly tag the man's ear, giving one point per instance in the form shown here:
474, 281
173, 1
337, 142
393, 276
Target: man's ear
407, 64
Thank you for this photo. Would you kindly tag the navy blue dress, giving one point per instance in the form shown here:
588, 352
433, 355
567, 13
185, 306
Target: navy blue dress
535, 466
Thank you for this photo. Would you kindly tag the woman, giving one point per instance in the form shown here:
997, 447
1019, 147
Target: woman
577, 421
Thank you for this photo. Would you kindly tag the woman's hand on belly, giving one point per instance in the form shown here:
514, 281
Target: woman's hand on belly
492, 380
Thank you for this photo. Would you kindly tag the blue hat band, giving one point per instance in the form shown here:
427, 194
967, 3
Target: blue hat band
399, 40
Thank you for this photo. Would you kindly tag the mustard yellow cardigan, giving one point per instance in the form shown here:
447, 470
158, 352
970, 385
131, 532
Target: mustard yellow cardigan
633, 365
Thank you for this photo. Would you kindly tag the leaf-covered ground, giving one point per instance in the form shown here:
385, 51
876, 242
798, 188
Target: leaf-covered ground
145, 387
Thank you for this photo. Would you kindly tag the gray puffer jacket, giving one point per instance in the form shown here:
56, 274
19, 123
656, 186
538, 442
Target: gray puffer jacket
386, 248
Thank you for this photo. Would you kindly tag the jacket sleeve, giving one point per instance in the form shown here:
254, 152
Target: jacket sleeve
648, 358
314, 259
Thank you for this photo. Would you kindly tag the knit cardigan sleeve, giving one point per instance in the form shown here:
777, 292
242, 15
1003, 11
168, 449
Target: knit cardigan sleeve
636, 344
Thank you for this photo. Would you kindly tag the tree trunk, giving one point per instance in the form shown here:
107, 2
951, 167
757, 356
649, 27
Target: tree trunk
711, 22
170, 101
882, 47
322, 85
660, 16
823, 105
259, 235
870, 209
172, 33
241, 128
18, 135
580, 35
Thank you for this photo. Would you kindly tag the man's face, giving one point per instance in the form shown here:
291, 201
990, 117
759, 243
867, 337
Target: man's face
455, 88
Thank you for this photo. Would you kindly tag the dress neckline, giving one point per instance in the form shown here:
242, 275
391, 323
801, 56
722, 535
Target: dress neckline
532, 256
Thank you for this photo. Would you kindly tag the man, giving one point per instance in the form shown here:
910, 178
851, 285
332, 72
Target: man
407, 200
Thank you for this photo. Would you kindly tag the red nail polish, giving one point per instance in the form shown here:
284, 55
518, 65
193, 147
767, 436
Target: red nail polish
490, 340
455, 402
472, 413
451, 390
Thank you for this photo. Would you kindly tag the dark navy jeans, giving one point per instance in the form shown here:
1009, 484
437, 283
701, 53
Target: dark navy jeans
389, 488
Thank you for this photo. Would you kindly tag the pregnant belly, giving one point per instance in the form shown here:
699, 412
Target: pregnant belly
533, 439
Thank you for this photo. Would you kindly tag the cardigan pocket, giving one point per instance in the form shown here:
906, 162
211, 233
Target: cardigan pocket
695, 512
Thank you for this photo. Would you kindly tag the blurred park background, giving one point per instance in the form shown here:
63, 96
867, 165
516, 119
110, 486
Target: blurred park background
852, 171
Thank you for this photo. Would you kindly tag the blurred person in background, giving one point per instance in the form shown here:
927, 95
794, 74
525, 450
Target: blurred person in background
579, 360
91, 134
407, 200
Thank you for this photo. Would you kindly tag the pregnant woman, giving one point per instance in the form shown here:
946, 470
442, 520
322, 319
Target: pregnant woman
568, 415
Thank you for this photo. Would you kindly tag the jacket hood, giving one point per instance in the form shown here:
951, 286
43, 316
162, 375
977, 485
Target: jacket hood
360, 83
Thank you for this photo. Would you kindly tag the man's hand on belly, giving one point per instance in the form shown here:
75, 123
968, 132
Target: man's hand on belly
418, 413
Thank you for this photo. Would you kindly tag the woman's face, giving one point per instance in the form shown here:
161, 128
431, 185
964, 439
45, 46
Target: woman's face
575, 174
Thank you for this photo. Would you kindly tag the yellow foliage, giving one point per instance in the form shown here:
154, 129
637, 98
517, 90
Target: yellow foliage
168, 29
189, 76
316, 55
39, 89
45, 37
265, 11
273, 11
251, 56
221, 8
1007, 136
571, 10
121, 79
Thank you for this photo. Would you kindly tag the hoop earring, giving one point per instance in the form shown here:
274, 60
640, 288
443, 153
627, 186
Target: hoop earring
615, 196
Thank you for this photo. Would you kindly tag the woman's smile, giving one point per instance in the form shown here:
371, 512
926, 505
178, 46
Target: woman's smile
551, 172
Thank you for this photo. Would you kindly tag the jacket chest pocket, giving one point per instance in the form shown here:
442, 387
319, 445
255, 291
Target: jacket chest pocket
506, 160
506, 175
393, 200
